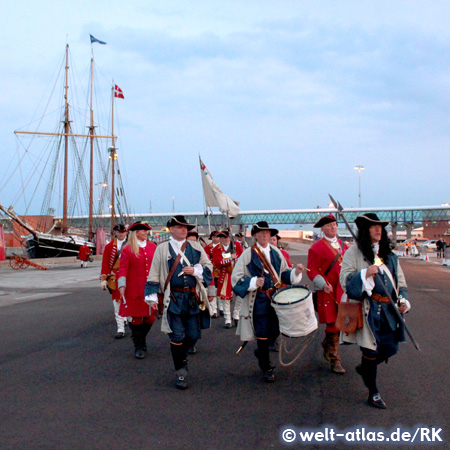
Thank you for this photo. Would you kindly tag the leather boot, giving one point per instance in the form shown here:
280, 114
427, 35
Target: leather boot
145, 329
136, 336
263, 355
335, 358
368, 371
180, 363
326, 344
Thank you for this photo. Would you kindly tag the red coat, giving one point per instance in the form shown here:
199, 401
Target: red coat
111, 265
225, 267
84, 253
320, 256
135, 270
287, 257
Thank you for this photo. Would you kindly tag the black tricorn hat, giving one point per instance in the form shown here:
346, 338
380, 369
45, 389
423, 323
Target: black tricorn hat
213, 233
120, 227
263, 226
223, 234
369, 219
136, 226
324, 220
238, 235
192, 233
179, 220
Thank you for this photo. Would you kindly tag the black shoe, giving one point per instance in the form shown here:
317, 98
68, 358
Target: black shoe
193, 350
221, 313
269, 376
376, 401
181, 382
119, 335
139, 354
228, 325
214, 316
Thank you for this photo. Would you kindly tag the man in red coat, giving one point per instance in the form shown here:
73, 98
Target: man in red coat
224, 258
212, 289
83, 254
110, 271
324, 267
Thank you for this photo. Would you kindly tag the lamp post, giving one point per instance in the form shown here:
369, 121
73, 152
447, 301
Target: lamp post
173, 204
359, 168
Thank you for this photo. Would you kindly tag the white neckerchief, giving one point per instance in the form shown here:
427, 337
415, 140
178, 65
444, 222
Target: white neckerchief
376, 248
226, 248
215, 245
331, 239
176, 245
142, 244
120, 243
265, 250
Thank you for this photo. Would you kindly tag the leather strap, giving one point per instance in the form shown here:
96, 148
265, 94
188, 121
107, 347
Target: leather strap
175, 265
267, 266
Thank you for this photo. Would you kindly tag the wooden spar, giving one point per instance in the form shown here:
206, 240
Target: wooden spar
91, 171
66, 144
63, 134
113, 160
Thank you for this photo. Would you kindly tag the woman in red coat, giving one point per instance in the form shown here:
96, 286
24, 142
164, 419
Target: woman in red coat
135, 262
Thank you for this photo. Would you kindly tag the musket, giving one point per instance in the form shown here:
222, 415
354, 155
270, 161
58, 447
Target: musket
340, 210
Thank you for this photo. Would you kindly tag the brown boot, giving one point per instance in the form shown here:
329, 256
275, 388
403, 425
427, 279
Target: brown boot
327, 344
335, 358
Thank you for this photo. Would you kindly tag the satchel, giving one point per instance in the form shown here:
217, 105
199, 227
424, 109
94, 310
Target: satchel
112, 282
349, 318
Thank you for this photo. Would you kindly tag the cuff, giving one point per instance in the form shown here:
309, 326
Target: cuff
252, 286
151, 298
368, 283
296, 279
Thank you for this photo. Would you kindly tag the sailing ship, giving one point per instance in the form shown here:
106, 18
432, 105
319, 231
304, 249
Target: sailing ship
68, 152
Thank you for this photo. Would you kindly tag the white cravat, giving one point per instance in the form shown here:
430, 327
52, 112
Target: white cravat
120, 243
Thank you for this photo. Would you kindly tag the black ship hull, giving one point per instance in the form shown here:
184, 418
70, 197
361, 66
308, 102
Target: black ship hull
48, 246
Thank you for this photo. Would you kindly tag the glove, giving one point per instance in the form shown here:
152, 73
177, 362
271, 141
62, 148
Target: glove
103, 284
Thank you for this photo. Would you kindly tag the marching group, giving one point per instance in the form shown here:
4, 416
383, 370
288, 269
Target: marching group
187, 283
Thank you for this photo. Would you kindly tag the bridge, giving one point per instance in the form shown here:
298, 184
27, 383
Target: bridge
407, 216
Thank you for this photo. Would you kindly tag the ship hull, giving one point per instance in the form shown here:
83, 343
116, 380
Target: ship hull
48, 246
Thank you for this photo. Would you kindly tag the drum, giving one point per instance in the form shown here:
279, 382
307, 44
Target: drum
295, 311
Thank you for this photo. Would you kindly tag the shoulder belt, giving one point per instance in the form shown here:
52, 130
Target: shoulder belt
267, 265
175, 265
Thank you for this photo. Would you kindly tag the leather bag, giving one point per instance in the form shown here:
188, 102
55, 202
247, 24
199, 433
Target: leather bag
349, 318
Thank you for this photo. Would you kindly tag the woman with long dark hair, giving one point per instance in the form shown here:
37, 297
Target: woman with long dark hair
366, 267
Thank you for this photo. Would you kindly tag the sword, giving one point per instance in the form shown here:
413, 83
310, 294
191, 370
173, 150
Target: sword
339, 210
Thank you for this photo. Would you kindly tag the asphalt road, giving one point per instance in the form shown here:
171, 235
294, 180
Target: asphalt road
67, 384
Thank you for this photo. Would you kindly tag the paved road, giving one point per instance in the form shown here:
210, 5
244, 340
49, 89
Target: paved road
67, 384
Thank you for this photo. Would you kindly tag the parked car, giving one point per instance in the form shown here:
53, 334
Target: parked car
429, 245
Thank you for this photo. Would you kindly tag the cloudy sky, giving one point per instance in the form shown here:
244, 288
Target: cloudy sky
280, 98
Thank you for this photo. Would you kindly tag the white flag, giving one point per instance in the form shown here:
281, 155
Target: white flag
214, 195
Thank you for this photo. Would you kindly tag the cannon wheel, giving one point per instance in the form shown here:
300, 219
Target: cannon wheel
15, 263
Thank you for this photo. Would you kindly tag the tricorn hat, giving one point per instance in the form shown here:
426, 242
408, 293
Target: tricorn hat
369, 219
213, 233
223, 234
136, 226
192, 233
120, 227
179, 220
239, 235
324, 220
263, 226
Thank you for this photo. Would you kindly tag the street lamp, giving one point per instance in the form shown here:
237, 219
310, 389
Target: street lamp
359, 168
173, 204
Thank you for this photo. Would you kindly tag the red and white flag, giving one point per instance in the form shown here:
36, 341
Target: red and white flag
118, 92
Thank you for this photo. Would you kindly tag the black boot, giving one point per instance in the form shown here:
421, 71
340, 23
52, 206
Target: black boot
180, 363
368, 371
146, 327
136, 336
263, 355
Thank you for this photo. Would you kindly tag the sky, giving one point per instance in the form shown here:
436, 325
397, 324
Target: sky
280, 98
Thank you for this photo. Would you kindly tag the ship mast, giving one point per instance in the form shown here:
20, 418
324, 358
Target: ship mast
91, 171
113, 156
66, 143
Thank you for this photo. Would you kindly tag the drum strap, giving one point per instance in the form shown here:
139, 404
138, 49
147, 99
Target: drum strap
267, 266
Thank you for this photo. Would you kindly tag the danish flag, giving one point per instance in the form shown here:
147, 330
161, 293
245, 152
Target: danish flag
118, 92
